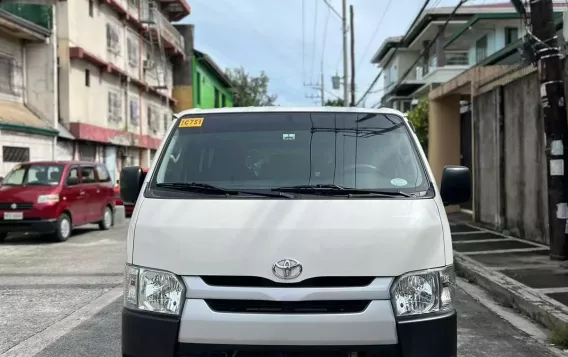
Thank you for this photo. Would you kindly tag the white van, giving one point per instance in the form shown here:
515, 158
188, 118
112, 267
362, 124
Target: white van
290, 232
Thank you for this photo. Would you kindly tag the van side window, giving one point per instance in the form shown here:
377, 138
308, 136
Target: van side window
88, 174
73, 177
102, 173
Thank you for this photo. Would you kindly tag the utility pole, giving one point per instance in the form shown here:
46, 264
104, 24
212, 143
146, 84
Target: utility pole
345, 69
352, 30
551, 78
322, 87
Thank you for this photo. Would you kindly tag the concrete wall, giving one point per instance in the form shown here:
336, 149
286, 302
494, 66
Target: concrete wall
41, 148
511, 192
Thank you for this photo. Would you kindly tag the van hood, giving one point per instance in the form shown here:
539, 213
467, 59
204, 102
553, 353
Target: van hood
18, 194
351, 237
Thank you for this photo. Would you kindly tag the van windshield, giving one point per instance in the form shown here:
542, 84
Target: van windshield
34, 174
271, 150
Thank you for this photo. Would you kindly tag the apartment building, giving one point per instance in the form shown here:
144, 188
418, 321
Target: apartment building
28, 77
472, 35
116, 61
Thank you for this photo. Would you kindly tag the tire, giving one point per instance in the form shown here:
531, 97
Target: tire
3, 237
64, 228
108, 220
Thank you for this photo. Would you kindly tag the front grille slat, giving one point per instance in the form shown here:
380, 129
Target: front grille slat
316, 282
287, 307
20, 206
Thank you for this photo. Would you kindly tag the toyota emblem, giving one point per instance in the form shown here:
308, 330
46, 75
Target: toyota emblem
287, 268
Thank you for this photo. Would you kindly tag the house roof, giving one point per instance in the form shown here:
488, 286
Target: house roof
464, 13
208, 61
388, 44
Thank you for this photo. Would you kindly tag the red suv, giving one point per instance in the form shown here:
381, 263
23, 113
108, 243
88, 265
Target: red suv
54, 197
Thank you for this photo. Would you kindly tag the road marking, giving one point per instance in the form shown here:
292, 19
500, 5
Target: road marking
40, 341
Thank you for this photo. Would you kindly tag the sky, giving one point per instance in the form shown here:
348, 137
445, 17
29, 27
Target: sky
273, 36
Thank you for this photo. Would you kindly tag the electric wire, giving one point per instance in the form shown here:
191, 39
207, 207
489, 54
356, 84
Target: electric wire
394, 53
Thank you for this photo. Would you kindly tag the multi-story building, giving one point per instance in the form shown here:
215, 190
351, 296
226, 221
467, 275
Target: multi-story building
116, 61
28, 77
211, 86
473, 34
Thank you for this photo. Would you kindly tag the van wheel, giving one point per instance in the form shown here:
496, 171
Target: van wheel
107, 221
64, 227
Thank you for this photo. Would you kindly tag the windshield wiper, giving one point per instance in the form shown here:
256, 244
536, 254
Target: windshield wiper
332, 189
210, 189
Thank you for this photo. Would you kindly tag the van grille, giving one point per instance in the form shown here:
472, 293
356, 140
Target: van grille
20, 206
288, 307
317, 282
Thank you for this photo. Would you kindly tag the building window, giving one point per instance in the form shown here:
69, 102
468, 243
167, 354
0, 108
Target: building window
15, 154
132, 48
166, 122
113, 38
481, 49
223, 101
134, 112
216, 98
153, 118
511, 35
114, 112
133, 3
12, 76
91, 8
87, 78
198, 88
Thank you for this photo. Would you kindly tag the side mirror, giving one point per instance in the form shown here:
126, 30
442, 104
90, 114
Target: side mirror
456, 185
131, 180
71, 181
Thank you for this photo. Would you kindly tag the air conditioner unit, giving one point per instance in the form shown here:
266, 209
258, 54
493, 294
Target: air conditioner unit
148, 64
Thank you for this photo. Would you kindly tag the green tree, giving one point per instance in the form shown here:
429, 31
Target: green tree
337, 102
249, 90
418, 116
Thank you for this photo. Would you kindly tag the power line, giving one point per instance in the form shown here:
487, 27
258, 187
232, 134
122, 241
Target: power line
372, 40
314, 42
303, 40
431, 43
394, 53
333, 9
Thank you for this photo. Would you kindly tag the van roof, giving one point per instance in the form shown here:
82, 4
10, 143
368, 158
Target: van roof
276, 109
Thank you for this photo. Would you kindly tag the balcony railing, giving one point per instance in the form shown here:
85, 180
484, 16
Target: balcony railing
40, 15
452, 59
151, 15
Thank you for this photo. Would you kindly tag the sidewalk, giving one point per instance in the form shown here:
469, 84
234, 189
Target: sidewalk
518, 273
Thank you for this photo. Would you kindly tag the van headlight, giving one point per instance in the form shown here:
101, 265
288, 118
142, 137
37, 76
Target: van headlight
424, 292
153, 290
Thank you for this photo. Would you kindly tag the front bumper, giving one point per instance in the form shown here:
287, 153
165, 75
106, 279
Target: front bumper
151, 335
28, 226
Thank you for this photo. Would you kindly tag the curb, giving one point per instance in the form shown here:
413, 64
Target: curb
537, 306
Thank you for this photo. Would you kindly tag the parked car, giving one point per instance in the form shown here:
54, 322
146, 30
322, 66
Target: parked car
53, 197
128, 207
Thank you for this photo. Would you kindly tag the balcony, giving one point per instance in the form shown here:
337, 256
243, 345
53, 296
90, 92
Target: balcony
456, 63
40, 15
158, 25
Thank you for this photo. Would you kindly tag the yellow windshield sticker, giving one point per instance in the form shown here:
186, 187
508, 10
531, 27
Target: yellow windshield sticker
17, 167
191, 123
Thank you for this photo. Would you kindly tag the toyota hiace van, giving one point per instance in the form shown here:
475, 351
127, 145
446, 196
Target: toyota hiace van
290, 232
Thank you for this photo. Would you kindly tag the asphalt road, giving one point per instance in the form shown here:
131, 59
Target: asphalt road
64, 300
